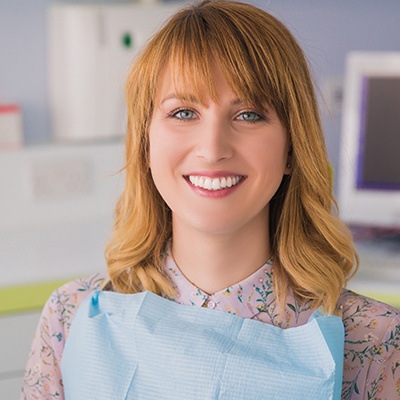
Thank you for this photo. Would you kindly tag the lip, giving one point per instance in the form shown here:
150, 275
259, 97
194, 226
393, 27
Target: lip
214, 174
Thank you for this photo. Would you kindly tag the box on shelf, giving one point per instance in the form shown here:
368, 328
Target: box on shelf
11, 131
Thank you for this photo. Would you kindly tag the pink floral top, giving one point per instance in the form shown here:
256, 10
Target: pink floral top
372, 331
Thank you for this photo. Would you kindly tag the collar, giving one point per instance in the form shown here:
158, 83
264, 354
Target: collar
245, 299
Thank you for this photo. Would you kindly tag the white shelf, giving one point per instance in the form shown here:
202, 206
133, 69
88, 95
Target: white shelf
56, 231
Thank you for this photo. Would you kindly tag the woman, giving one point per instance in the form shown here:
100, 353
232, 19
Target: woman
227, 206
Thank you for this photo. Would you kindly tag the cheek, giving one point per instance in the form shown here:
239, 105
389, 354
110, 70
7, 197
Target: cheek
162, 153
156, 146
164, 160
156, 160
269, 155
167, 147
158, 170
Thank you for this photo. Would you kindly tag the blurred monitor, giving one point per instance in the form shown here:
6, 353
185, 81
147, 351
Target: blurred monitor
369, 176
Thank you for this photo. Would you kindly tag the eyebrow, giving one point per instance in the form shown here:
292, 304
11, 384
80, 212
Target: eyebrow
193, 99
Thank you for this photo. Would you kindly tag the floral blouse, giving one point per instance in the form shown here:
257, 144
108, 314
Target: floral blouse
372, 331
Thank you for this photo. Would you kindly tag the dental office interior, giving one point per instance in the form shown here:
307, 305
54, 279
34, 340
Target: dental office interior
61, 139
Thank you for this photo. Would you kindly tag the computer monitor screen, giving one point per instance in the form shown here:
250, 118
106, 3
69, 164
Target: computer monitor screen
379, 142
369, 177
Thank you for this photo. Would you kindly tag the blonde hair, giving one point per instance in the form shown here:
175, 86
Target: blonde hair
313, 253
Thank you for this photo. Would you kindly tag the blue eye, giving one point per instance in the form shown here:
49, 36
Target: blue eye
249, 116
184, 114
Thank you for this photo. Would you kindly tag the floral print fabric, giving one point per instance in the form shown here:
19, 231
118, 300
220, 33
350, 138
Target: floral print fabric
372, 331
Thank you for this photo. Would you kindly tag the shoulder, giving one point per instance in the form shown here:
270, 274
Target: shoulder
352, 301
81, 287
61, 306
368, 320
372, 347
63, 303
374, 313
43, 369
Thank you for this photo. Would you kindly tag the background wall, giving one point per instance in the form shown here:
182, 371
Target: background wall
327, 30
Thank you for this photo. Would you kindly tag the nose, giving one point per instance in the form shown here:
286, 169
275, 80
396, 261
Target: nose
215, 142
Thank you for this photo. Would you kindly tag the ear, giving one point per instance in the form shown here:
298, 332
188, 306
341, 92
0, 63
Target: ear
288, 166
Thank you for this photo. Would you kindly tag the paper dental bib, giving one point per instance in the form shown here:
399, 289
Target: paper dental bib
145, 347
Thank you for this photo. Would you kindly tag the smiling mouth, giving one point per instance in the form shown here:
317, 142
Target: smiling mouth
214, 184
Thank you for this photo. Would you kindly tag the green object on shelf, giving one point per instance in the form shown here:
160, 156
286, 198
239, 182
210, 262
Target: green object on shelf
127, 40
22, 298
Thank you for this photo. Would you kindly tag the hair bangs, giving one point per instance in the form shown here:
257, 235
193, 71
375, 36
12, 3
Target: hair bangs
190, 61
199, 37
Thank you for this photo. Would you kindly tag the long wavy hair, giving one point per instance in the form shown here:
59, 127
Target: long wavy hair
313, 252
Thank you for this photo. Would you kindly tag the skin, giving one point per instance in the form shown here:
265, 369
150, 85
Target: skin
219, 237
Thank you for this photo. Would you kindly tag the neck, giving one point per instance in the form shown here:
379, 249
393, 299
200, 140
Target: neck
215, 262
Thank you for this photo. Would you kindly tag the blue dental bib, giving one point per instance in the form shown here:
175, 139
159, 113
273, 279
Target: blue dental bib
144, 347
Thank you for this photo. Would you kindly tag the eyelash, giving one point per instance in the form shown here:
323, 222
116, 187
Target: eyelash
173, 114
259, 117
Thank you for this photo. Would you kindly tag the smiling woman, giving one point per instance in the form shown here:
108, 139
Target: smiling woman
227, 207
216, 136
212, 145
260, 68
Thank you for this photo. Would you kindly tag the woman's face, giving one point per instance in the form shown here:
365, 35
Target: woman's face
216, 166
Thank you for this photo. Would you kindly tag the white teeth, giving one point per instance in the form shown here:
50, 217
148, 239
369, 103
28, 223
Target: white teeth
214, 183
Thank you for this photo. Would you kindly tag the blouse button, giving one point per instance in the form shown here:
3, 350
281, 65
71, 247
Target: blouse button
211, 304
